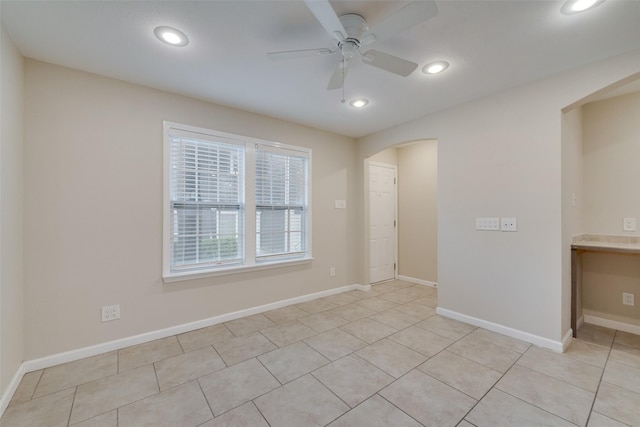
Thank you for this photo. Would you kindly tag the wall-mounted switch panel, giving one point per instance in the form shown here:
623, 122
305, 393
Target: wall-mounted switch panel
508, 224
629, 224
332, 271
341, 204
488, 224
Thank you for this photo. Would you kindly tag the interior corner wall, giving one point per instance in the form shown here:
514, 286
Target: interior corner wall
93, 211
500, 156
572, 200
11, 181
417, 210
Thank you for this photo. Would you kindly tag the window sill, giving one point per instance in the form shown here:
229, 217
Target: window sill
236, 269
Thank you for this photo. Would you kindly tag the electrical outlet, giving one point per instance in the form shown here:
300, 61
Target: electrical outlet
509, 224
628, 299
110, 312
332, 271
629, 224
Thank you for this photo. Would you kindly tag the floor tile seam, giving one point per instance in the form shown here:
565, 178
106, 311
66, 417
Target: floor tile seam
560, 379
494, 386
65, 388
595, 395
155, 373
394, 405
134, 401
259, 411
401, 345
33, 392
73, 401
388, 401
455, 340
622, 388
197, 380
482, 364
609, 418
271, 373
217, 354
500, 345
363, 360
240, 404
284, 385
455, 388
336, 395
542, 409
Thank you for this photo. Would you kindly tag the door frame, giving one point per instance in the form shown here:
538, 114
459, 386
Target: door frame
368, 216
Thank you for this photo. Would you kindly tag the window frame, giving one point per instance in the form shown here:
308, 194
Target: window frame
249, 261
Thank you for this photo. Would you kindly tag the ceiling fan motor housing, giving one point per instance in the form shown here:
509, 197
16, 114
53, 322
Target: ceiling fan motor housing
355, 25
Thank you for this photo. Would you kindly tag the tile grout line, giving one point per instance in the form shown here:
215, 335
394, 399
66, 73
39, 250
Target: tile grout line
595, 395
75, 392
494, 385
205, 399
392, 404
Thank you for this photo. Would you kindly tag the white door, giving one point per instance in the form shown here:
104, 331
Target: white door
382, 222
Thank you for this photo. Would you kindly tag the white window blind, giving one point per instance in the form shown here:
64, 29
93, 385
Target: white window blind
281, 202
206, 200
232, 203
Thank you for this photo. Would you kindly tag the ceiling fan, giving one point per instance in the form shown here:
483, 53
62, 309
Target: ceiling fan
350, 34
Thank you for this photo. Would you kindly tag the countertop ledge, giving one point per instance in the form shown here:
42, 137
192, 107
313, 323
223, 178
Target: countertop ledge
607, 243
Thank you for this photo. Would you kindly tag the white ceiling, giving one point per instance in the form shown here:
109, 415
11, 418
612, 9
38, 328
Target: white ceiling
491, 45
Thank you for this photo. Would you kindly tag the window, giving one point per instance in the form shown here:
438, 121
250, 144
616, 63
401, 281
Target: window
232, 203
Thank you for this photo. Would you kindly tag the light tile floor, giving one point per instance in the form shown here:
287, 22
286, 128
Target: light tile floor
377, 358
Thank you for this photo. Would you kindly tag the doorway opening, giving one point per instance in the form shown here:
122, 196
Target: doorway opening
401, 213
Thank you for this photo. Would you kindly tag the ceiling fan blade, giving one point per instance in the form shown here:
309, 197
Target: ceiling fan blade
409, 16
390, 63
337, 78
327, 17
296, 54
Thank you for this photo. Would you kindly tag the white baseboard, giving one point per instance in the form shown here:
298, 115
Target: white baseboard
612, 324
557, 346
94, 350
11, 388
418, 281
566, 340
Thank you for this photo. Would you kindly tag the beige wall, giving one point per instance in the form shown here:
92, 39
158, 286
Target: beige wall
11, 278
389, 156
417, 211
611, 149
501, 156
93, 211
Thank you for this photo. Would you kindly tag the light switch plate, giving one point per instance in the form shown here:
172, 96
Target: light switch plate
341, 204
488, 224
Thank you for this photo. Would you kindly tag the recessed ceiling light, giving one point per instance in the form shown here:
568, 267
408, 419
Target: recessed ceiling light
171, 36
576, 6
435, 67
359, 103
